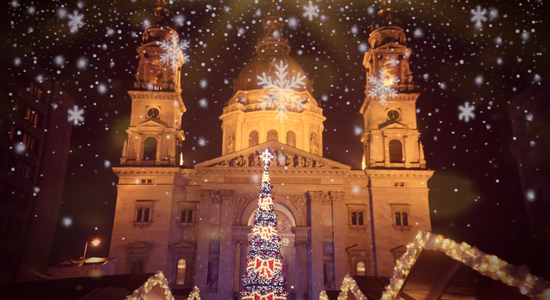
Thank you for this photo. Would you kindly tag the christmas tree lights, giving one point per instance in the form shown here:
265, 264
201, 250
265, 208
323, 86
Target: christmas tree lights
264, 278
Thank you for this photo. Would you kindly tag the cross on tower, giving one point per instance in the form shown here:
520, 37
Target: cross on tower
266, 157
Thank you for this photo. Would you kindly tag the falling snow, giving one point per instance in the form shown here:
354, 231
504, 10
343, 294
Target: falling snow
76, 21
174, 55
311, 11
76, 115
478, 16
382, 86
282, 91
466, 112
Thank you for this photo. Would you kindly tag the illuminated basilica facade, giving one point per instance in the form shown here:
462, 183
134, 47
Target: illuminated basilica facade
194, 224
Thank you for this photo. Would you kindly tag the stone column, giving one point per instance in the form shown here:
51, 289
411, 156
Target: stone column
340, 261
160, 143
201, 267
300, 242
139, 148
226, 269
240, 235
317, 270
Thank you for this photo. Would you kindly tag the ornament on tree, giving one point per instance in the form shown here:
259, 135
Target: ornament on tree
264, 278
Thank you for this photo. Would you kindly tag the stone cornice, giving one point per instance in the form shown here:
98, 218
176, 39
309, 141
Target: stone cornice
251, 170
402, 173
161, 95
144, 170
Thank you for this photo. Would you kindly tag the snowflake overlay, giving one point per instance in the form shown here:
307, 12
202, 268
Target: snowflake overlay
76, 115
76, 21
381, 86
311, 11
281, 91
478, 16
466, 112
174, 55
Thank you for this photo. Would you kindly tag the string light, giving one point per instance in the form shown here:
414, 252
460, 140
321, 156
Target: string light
264, 278
195, 294
536, 288
349, 284
142, 291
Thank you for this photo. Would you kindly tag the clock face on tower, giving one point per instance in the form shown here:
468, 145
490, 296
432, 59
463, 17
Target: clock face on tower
153, 113
393, 115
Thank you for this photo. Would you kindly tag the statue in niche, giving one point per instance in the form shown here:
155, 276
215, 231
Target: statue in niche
406, 71
230, 145
314, 146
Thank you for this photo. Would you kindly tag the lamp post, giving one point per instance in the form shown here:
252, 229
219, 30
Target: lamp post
94, 243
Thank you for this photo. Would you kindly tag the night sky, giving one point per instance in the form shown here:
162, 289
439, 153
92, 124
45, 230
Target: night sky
475, 190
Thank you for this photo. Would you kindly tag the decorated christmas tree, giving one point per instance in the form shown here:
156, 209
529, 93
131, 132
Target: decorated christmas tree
264, 278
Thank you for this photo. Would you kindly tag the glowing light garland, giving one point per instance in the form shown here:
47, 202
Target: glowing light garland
349, 284
142, 291
195, 294
536, 288
264, 278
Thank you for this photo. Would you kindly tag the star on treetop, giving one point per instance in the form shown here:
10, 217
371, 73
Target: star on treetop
266, 157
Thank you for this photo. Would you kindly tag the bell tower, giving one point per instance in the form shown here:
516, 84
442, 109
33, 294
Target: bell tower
155, 134
390, 139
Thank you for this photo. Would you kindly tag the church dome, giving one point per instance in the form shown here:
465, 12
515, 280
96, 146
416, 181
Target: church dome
275, 66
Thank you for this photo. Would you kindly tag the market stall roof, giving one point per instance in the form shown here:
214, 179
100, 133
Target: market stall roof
113, 287
434, 267
435, 275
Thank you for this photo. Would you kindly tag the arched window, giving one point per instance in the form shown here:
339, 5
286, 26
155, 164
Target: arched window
150, 149
253, 138
181, 271
313, 143
353, 218
396, 151
291, 138
136, 265
272, 135
360, 269
360, 218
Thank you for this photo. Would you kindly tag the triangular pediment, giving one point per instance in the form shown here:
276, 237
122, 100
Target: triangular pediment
287, 157
183, 245
151, 124
392, 125
139, 245
358, 247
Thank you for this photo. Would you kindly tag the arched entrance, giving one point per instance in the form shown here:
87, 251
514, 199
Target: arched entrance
285, 222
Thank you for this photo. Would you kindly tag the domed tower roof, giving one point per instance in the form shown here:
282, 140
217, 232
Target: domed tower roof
272, 49
272, 98
161, 55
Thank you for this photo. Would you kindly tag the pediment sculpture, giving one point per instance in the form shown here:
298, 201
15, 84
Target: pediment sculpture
284, 160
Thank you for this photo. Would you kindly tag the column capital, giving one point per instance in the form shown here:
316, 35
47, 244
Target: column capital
337, 197
301, 233
227, 196
319, 197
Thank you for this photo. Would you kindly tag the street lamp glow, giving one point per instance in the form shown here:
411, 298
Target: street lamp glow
95, 242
